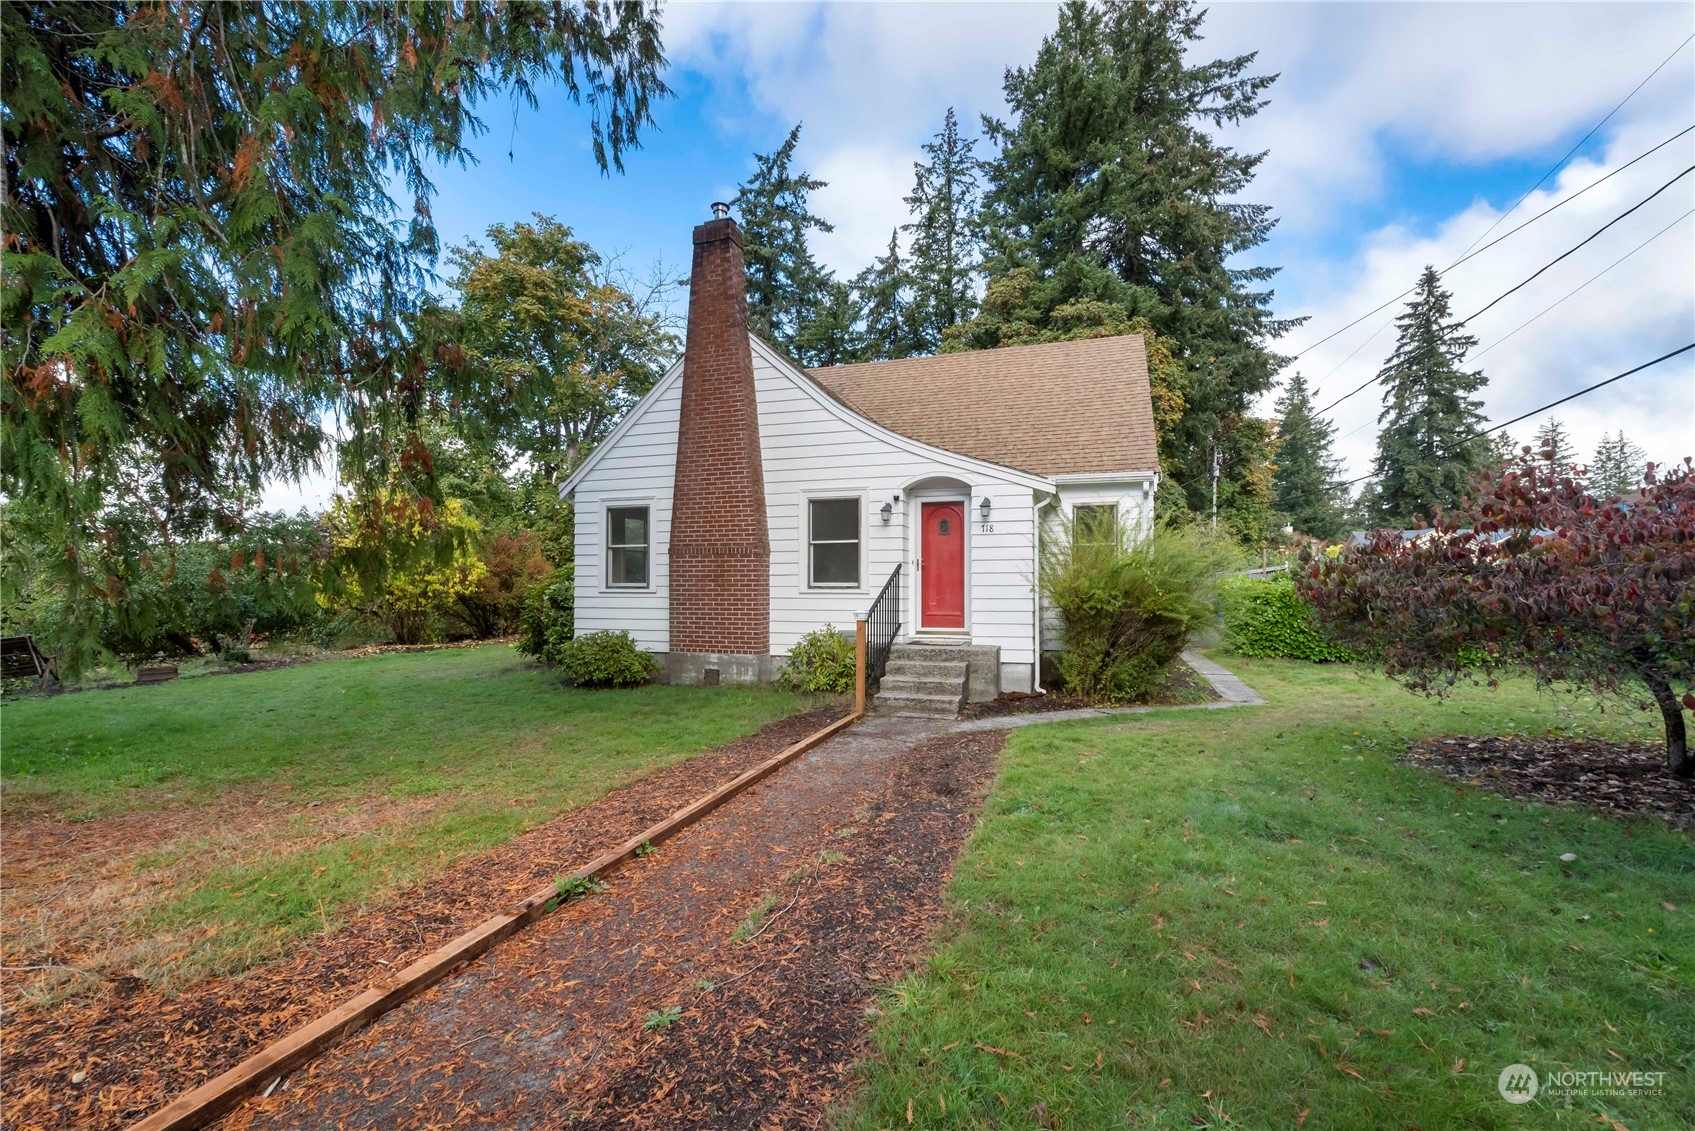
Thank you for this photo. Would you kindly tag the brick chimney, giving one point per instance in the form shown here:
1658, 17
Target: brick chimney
720, 548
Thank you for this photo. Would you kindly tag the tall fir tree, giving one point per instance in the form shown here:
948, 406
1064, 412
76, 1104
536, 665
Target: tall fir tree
1110, 188
1554, 451
830, 333
1618, 467
1431, 442
206, 263
786, 286
885, 294
945, 197
1306, 485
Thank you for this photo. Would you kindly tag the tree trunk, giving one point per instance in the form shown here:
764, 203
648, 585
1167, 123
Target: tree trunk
1678, 760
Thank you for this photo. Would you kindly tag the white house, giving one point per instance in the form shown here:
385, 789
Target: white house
745, 501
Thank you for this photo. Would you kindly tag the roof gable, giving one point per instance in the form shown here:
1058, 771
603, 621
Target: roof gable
1061, 408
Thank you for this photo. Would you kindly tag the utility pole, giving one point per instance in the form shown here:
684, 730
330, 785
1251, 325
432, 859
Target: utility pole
1215, 466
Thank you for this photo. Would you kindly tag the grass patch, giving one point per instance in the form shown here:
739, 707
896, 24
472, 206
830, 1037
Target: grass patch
348, 780
754, 919
1262, 918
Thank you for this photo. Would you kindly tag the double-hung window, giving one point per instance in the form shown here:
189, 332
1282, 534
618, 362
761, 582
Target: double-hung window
627, 537
833, 542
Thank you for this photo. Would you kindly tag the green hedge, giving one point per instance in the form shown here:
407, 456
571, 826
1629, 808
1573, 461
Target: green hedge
1268, 618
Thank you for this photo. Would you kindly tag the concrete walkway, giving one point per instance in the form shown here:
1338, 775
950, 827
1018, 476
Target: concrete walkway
1232, 692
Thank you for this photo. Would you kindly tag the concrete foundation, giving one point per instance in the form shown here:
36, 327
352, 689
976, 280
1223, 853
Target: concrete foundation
1017, 677
713, 668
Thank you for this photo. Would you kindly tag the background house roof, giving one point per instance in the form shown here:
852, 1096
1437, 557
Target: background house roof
1063, 408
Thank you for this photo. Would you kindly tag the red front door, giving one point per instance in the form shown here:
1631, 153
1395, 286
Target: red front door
941, 569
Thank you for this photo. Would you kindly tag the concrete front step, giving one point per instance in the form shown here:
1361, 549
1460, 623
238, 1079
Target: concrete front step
930, 653
923, 680
927, 669
921, 685
911, 703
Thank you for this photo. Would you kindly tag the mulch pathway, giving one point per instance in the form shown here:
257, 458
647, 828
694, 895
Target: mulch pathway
636, 1007
137, 1047
1623, 779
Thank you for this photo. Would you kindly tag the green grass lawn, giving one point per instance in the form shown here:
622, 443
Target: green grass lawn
412, 759
1261, 918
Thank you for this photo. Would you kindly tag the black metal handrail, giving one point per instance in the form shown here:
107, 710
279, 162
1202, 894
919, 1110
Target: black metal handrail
882, 625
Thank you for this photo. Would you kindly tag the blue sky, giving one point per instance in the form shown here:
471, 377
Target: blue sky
1396, 134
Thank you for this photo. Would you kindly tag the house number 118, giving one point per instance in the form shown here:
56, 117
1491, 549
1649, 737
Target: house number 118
988, 528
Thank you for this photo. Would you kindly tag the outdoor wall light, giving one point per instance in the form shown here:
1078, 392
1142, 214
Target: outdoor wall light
887, 512
983, 508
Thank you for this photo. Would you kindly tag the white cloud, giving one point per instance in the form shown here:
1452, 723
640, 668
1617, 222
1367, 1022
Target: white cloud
1638, 310
870, 82
1367, 92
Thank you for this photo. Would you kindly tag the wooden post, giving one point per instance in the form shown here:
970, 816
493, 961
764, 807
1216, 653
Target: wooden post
859, 666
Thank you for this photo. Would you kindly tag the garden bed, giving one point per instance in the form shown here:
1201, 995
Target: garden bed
1622, 779
1181, 687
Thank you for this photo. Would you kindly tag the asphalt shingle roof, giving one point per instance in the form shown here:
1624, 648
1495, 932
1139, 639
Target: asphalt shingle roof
1063, 408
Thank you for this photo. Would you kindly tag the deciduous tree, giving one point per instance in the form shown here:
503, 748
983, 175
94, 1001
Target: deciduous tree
1533, 574
562, 344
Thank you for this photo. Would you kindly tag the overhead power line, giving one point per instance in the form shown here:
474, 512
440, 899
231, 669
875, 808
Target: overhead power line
1556, 302
1591, 236
1516, 287
1555, 404
1470, 255
1539, 182
1581, 141
1581, 285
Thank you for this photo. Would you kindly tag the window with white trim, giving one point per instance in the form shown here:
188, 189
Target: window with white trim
627, 538
1095, 523
833, 542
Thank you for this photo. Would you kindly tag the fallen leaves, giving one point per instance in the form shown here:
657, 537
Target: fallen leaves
1621, 778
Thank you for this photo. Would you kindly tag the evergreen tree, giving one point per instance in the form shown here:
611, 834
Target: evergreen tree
1618, 467
205, 263
945, 197
1306, 485
785, 284
1553, 450
884, 290
1431, 443
831, 335
1109, 188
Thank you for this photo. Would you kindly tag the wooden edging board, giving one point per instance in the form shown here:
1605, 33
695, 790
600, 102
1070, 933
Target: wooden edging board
215, 1097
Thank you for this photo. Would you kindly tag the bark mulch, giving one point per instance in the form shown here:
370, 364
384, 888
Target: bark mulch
1181, 687
638, 1007
1622, 779
137, 1047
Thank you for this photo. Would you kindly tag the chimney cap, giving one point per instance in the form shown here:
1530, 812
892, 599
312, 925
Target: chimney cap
720, 210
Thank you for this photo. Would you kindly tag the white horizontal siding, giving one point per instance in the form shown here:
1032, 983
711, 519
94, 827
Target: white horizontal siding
811, 451
810, 448
637, 467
